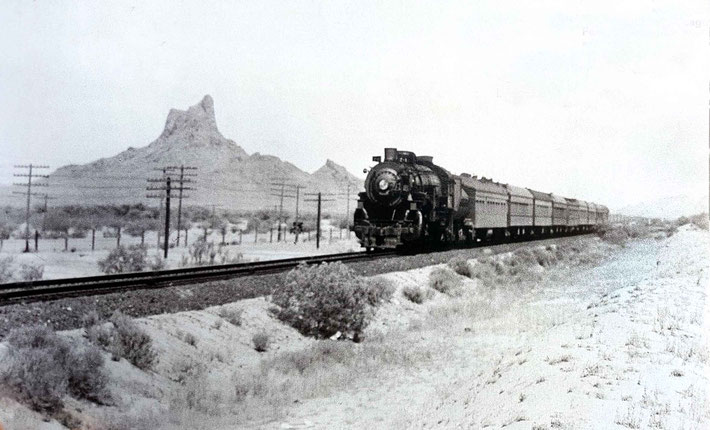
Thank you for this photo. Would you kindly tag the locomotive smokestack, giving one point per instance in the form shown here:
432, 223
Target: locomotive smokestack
390, 154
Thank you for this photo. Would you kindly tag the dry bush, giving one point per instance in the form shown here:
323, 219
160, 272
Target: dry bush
188, 338
417, 295
445, 280
261, 341
701, 221
31, 272
484, 270
615, 235
636, 230
6, 271
322, 300
123, 338
460, 265
380, 290
158, 263
43, 367
125, 259
232, 316
315, 357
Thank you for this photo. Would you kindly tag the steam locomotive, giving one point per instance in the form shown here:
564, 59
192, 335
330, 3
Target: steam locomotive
410, 201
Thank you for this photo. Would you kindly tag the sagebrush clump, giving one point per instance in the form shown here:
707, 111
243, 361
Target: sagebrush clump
123, 338
232, 316
445, 280
460, 265
261, 341
379, 291
6, 271
417, 295
125, 259
43, 367
323, 300
31, 272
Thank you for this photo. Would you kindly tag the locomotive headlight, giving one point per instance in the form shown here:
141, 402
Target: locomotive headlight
383, 184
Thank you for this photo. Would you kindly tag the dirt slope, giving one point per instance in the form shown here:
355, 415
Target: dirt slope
617, 346
612, 338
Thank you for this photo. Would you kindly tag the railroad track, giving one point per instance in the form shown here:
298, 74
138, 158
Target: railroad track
52, 289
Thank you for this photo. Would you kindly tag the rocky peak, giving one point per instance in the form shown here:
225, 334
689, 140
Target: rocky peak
335, 171
196, 119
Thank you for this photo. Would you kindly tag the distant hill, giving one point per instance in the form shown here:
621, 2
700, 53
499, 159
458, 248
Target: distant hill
668, 207
226, 175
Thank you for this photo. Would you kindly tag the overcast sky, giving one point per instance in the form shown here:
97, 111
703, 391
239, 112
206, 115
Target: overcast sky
604, 101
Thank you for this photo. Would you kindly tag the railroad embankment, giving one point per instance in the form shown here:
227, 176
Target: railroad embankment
584, 333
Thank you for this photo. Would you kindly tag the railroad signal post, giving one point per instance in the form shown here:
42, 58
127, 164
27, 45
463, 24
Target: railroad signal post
29, 175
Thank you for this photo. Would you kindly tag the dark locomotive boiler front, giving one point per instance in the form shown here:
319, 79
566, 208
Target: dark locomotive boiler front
399, 192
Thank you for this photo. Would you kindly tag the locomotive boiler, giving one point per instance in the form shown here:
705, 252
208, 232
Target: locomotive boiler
409, 201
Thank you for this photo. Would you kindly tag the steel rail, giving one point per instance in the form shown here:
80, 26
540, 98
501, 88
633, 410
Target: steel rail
51, 289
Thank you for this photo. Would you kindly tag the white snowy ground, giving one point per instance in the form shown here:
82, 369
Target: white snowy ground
620, 345
83, 262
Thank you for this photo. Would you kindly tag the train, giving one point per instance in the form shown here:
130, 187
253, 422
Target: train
410, 202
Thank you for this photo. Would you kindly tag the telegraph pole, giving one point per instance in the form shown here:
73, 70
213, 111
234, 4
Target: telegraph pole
281, 194
164, 170
347, 206
29, 175
167, 188
298, 198
347, 210
319, 200
167, 216
182, 187
46, 208
183, 178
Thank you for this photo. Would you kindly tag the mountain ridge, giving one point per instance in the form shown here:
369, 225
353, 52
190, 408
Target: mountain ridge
191, 137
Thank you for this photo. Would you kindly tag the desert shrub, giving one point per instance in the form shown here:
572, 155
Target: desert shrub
379, 290
417, 295
316, 357
90, 319
701, 221
322, 300
6, 271
43, 367
460, 265
31, 272
158, 263
445, 280
484, 270
123, 338
87, 379
188, 338
232, 316
545, 256
260, 341
125, 259
670, 230
201, 251
636, 230
135, 345
616, 235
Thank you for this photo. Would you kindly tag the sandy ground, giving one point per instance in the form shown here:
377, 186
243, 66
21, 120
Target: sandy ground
83, 262
622, 344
